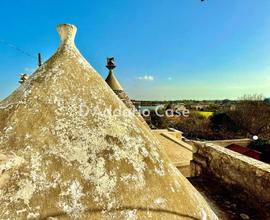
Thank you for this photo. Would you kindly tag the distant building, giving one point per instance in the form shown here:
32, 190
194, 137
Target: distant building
199, 107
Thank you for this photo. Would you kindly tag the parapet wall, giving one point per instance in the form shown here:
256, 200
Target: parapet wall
247, 174
224, 143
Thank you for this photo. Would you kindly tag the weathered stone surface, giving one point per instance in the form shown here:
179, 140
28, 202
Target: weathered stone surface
61, 159
250, 175
124, 98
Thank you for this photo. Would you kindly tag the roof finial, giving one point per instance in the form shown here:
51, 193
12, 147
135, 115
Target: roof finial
67, 33
110, 63
111, 79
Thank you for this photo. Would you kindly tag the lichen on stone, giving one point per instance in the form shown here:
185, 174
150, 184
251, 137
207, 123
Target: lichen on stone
70, 199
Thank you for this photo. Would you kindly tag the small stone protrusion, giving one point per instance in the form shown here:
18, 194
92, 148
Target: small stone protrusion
39, 59
23, 78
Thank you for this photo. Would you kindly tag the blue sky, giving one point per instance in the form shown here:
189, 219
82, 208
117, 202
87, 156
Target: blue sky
164, 49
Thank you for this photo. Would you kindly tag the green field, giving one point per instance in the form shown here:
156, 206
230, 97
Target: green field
205, 114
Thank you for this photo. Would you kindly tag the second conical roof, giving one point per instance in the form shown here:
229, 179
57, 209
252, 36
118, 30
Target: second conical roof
113, 82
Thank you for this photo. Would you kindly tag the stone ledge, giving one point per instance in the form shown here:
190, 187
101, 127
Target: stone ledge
244, 142
178, 141
251, 175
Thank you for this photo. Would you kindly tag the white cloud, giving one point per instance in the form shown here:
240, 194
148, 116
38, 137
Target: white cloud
169, 78
146, 78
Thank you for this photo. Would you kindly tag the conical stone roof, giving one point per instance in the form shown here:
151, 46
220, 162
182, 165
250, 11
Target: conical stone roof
113, 82
64, 156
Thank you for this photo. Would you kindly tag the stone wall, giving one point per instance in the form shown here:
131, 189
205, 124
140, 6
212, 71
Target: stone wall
224, 143
234, 169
